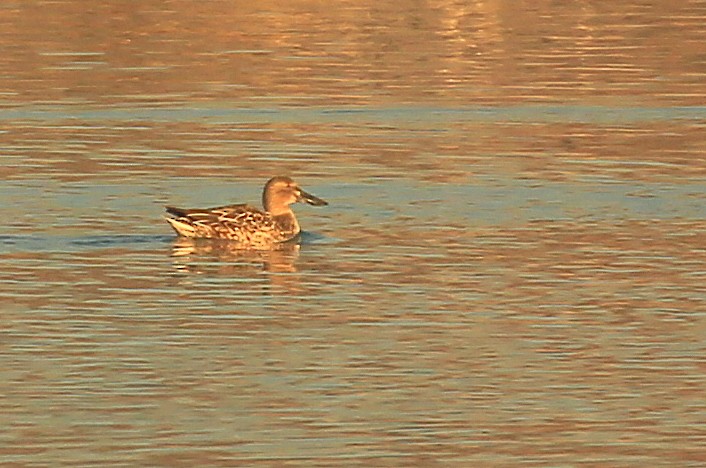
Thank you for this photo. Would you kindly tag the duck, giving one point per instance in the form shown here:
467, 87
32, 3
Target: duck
245, 224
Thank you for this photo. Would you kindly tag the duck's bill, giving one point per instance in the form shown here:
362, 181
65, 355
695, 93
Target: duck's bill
311, 199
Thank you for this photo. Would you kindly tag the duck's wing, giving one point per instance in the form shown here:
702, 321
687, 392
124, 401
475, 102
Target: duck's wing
230, 221
240, 211
226, 212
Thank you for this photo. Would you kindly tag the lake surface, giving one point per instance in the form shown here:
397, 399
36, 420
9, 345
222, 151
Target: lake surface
511, 270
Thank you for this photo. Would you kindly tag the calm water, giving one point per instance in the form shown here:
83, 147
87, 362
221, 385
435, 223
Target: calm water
511, 270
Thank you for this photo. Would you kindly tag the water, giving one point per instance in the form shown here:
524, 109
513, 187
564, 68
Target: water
510, 271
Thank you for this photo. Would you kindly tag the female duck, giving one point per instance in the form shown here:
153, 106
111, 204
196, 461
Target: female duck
245, 224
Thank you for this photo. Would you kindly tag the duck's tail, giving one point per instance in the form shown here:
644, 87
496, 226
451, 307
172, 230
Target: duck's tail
173, 210
182, 228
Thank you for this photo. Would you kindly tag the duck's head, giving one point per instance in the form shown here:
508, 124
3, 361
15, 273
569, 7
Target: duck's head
280, 192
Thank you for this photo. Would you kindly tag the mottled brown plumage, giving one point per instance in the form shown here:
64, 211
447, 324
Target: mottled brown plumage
245, 224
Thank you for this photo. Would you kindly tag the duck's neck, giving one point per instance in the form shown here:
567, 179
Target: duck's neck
282, 214
287, 222
278, 210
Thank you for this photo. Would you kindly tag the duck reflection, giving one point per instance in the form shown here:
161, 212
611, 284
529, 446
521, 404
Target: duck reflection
225, 257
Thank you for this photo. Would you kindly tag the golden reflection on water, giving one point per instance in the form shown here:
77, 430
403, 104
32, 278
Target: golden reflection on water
280, 259
357, 53
510, 271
